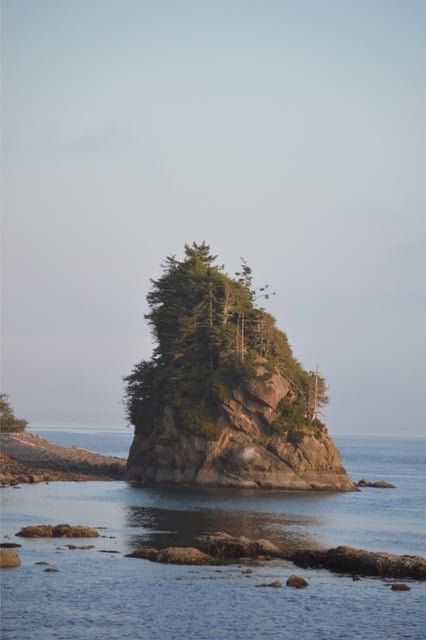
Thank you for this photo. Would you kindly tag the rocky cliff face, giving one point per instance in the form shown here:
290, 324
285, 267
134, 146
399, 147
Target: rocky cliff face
244, 450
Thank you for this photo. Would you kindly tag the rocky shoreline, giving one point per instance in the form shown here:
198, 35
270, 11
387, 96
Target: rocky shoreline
28, 458
223, 549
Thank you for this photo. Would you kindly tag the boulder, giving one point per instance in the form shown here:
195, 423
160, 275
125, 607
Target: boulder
296, 581
184, 555
147, 553
355, 561
57, 531
378, 484
223, 545
400, 586
173, 555
9, 558
211, 548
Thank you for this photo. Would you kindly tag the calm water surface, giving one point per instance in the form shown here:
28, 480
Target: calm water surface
99, 593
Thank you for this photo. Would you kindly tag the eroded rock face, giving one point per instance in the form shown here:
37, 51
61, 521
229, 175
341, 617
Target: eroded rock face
246, 452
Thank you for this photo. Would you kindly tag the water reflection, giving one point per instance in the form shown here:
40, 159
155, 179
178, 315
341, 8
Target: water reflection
167, 527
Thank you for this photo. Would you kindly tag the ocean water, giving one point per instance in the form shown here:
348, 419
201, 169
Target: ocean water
98, 593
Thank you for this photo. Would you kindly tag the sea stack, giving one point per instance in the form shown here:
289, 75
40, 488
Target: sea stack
223, 402
243, 450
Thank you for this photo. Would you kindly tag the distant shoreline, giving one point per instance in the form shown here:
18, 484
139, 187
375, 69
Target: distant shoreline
28, 458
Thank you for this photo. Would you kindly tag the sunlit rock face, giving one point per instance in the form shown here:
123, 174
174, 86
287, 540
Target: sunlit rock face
244, 450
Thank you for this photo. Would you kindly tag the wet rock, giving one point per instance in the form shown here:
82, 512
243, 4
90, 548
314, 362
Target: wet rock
296, 581
73, 547
361, 562
223, 545
276, 584
148, 553
9, 545
58, 531
174, 555
400, 586
378, 484
9, 558
184, 555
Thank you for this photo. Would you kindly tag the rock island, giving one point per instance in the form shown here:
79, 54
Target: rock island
223, 401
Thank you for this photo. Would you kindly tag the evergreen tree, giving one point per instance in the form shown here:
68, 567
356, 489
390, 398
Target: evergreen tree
8, 422
209, 336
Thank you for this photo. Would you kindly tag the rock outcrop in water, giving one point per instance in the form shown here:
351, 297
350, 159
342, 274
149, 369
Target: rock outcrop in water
246, 452
345, 559
58, 531
223, 402
9, 558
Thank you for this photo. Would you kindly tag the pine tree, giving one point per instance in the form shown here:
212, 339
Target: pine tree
8, 422
209, 334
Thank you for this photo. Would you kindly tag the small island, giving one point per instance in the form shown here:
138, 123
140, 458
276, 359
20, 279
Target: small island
223, 401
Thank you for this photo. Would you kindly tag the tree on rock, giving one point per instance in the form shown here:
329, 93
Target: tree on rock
8, 422
209, 339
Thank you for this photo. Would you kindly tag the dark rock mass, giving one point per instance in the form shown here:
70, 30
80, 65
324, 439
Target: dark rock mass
361, 562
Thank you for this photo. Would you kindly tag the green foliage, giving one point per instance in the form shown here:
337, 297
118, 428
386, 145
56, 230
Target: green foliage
281, 425
196, 420
8, 422
296, 436
209, 336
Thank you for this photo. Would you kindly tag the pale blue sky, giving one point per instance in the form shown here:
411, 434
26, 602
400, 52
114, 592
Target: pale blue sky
290, 133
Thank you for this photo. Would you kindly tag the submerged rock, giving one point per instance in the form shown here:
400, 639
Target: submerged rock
378, 484
276, 584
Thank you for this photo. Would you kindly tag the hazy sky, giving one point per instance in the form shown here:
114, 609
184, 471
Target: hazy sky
287, 132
